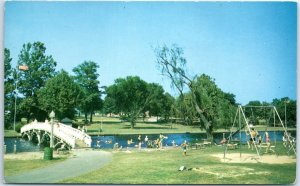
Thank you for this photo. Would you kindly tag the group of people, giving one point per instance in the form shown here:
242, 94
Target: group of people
256, 139
157, 143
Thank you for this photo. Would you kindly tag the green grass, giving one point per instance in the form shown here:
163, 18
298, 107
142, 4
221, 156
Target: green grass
12, 167
11, 133
161, 167
140, 128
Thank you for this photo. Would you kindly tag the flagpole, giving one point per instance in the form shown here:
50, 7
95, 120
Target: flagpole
16, 89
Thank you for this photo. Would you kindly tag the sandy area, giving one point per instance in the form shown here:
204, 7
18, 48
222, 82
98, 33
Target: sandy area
28, 156
253, 158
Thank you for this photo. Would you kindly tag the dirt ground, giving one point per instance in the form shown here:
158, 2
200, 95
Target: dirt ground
28, 156
253, 158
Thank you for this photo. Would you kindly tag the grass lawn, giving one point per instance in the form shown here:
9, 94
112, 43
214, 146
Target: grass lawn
140, 128
12, 167
11, 133
112, 126
161, 167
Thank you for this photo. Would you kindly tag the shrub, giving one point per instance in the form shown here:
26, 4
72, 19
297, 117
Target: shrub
18, 127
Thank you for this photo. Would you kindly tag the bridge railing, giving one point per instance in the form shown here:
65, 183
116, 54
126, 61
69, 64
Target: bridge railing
47, 127
78, 134
62, 131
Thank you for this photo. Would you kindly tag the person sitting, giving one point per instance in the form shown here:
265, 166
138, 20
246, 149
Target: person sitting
223, 141
252, 139
268, 142
259, 139
62, 148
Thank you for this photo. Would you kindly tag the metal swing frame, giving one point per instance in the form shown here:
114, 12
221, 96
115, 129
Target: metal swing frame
241, 117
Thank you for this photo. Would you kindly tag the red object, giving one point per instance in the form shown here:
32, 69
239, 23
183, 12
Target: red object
23, 67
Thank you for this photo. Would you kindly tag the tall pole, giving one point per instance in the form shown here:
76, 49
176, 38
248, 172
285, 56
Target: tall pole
52, 115
240, 144
285, 102
16, 94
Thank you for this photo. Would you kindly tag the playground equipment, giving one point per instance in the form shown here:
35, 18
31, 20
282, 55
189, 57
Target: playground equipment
242, 123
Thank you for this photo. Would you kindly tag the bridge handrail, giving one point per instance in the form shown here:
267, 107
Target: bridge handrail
47, 127
78, 134
65, 132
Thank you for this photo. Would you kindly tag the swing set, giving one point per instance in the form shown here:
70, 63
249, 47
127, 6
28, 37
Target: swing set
241, 122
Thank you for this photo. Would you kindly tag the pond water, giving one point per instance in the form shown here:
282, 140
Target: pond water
107, 142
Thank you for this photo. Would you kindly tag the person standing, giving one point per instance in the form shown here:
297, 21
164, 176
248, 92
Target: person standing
140, 141
184, 147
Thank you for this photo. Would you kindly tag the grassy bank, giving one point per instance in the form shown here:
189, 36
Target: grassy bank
111, 126
161, 167
11, 133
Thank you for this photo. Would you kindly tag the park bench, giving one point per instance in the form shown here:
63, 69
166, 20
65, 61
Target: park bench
196, 146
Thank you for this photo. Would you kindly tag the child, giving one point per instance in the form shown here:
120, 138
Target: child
184, 147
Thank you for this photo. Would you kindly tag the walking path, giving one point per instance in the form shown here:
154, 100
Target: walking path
83, 161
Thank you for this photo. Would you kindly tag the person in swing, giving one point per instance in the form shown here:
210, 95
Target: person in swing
252, 139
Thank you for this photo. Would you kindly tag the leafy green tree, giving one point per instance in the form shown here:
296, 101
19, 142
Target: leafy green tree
166, 107
156, 102
60, 94
172, 65
41, 67
288, 106
8, 89
109, 106
217, 108
131, 95
87, 78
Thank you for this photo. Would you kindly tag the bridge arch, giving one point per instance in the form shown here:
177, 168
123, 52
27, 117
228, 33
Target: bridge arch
61, 132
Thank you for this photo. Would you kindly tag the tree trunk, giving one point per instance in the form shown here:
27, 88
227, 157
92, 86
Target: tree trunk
85, 117
91, 117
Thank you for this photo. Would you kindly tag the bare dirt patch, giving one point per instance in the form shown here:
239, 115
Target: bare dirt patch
253, 158
235, 171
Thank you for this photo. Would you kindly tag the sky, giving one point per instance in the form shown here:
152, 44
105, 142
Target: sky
249, 48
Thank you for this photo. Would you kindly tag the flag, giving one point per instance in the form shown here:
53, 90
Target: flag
23, 67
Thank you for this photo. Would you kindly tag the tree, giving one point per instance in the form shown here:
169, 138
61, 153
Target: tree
60, 94
166, 108
87, 78
40, 68
131, 95
288, 105
172, 65
156, 102
8, 89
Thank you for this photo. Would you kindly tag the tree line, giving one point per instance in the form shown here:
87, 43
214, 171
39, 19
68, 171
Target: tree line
41, 89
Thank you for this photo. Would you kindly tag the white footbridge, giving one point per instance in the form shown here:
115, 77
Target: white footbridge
63, 134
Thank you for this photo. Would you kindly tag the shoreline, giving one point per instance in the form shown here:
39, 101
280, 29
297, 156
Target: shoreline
143, 133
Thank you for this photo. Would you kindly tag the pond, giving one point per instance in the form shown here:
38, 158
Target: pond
107, 142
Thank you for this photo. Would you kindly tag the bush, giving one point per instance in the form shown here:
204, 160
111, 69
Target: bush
18, 127
23, 121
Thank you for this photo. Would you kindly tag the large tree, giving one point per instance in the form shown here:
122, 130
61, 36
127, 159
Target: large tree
41, 67
87, 78
8, 89
60, 94
287, 109
172, 64
131, 96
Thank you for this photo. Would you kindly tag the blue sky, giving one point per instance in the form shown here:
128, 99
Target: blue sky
249, 48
